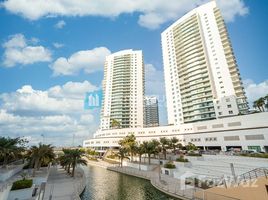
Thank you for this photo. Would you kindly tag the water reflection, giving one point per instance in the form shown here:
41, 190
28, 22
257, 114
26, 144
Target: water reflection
107, 185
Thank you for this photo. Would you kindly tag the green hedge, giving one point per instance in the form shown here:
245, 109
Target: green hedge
112, 156
194, 154
182, 159
170, 166
256, 155
22, 184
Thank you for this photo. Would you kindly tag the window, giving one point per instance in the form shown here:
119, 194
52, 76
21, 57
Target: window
220, 113
230, 112
229, 106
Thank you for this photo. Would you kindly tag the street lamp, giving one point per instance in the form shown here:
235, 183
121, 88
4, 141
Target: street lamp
42, 135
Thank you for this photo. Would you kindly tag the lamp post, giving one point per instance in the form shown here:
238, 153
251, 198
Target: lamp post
43, 138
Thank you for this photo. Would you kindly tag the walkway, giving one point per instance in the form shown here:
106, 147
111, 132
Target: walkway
61, 186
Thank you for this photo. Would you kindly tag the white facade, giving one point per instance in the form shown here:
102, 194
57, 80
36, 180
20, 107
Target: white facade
245, 132
200, 68
123, 90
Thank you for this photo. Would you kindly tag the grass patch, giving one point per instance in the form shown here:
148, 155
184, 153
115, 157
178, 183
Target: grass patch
22, 184
182, 159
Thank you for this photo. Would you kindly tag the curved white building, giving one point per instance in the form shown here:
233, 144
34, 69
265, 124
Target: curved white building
243, 132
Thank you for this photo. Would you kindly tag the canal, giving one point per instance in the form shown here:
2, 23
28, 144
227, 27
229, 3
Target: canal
108, 185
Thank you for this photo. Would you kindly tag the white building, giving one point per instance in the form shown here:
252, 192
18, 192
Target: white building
151, 117
123, 90
242, 132
203, 89
201, 75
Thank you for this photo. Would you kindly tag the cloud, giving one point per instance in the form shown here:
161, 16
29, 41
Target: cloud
17, 51
65, 99
255, 90
57, 45
60, 24
88, 61
151, 14
155, 86
57, 112
71, 89
154, 81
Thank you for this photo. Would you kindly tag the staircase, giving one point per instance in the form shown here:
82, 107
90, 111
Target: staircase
245, 177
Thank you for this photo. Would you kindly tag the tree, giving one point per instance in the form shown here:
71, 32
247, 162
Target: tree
122, 155
149, 148
40, 153
66, 160
259, 103
140, 151
115, 123
174, 144
77, 158
191, 147
129, 143
165, 144
266, 98
11, 148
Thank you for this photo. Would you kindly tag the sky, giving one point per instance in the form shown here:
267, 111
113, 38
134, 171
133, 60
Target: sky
52, 53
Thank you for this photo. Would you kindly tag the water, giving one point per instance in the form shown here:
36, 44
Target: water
108, 185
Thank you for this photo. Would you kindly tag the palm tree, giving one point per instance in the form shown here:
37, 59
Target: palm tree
266, 98
174, 144
259, 103
11, 148
66, 160
149, 148
165, 143
255, 105
140, 151
40, 153
76, 158
115, 123
157, 146
122, 155
130, 144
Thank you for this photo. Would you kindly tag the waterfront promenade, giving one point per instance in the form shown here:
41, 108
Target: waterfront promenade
61, 186
166, 184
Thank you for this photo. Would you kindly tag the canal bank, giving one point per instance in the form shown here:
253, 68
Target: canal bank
163, 183
107, 184
166, 184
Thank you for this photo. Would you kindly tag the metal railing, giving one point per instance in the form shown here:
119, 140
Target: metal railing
253, 174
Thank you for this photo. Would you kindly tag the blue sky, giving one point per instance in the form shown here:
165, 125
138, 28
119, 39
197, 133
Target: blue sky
53, 53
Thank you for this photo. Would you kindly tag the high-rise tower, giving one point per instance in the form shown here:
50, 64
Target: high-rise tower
151, 111
123, 90
201, 75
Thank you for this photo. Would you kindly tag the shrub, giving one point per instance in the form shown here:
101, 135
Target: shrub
112, 156
204, 184
170, 165
22, 184
256, 155
182, 159
194, 154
